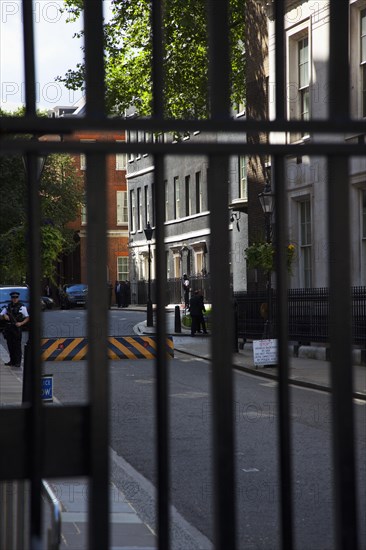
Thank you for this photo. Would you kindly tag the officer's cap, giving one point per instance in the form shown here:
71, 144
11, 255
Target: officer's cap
14, 294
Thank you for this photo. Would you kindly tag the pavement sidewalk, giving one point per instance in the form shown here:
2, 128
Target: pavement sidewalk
304, 371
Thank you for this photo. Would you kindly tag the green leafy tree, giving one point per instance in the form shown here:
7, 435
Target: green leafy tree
128, 56
61, 195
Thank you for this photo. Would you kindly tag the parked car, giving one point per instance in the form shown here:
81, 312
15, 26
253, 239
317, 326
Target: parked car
73, 296
5, 299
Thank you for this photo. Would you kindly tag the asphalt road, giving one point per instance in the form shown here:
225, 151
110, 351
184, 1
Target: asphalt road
256, 433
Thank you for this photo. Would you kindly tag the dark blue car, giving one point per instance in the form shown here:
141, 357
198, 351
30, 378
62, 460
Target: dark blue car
73, 296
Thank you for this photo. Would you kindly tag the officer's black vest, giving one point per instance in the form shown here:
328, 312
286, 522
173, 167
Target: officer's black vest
15, 313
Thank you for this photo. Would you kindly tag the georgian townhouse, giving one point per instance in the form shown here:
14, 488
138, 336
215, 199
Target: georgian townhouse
187, 216
308, 96
72, 268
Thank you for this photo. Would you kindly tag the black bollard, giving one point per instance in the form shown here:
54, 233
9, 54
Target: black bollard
177, 321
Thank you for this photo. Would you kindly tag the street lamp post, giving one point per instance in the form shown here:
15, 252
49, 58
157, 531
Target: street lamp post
266, 198
149, 311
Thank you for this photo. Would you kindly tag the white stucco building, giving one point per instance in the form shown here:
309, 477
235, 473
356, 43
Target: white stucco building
308, 96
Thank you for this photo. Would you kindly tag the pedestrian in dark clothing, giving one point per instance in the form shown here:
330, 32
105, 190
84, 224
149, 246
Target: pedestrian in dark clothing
128, 293
16, 315
47, 291
195, 310
202, 323
124, 294
117, 291
186, 289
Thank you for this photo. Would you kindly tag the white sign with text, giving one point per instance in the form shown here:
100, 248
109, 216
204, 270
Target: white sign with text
265, 352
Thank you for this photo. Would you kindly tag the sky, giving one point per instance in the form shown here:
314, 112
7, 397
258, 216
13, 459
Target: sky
55, 52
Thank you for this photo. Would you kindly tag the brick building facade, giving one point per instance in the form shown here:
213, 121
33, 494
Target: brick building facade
72, 268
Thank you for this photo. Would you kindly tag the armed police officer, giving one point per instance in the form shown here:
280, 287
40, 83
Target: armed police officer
16, 315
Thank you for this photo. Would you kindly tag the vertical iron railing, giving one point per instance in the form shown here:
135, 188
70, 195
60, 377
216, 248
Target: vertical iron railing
221, 343
338, 206
37, 453
97, 288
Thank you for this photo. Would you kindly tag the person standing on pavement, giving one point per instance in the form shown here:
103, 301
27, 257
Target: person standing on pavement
117, 291
124, 294
195, 310
202, 323
186, 285
16, 315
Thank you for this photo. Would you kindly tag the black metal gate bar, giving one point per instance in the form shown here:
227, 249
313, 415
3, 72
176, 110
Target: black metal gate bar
280, 71
186, 148
29, 60
36, 413
285, 462
341, 354
34, 434
221, 342
340, 291
98, 527
162, 366
97, 353
221, 353
161, 362
94, 60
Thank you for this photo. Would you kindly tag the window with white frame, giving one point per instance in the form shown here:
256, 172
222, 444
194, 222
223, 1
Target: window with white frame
121, 159
166, 200
305, 243
147, 204
132, 211
198, 193
83, 211
140, 135
82, 155
177, 262
188, 201
167, 263
299, 75
303, 77
199, 258
363, 61
199, 261
139, 209
243, 187
152, 211
83, 214
82, 161
122, 207
122, 268
148, 139
131, 138
176, 198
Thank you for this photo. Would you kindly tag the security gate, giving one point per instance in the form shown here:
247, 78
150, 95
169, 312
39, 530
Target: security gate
40, 442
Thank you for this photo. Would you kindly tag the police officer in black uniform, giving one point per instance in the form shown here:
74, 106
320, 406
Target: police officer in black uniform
16, 315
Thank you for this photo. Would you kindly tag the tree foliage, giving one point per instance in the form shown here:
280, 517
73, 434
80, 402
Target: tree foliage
128, 56
61, 195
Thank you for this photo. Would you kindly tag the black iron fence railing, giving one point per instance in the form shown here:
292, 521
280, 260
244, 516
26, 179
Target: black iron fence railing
308, 315
174, 290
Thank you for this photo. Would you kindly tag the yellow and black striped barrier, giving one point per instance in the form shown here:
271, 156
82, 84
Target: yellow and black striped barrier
119, 347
